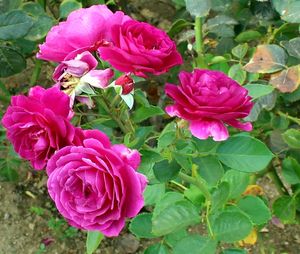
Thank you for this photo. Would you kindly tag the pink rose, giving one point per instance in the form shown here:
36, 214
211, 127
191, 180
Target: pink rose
84, 29
38, 124
209, 100
95, 186
140, 48
79, 75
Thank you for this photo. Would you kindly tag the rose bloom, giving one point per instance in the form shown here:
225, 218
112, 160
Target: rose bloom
140, 48
95, 186
85, 29
39, 124
80, 75
208, 100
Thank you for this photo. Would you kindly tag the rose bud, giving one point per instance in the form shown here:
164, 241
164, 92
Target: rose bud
126, 82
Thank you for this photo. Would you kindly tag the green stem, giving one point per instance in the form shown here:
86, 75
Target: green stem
293, 119
199, 60
208, 204
197, 182
106, 106
198, 35
36, 72
275, 32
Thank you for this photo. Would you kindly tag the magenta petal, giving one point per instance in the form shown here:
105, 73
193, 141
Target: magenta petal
204, 128
114, 229
98, 78
132, 157
243, 126
172, 110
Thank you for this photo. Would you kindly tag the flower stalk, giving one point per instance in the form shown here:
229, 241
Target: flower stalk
199, 60
197, 182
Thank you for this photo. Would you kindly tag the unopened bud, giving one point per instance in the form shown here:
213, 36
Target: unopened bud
126, 82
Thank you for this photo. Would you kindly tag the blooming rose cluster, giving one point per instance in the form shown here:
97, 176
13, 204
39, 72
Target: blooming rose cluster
94, 184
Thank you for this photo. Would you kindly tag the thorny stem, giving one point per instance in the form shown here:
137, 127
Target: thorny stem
293, 119
275, 31
197, 182
202, 187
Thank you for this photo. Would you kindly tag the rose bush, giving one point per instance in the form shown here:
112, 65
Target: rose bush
116, 139
208, 100
95, 186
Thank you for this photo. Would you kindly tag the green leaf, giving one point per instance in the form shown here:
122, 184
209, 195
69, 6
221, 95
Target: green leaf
257, 90
240, 50
256, 209
220, 20
167, 136
234, 251
153, 193
238, 182
141, 226
198, 8
32, 8
267, 59
165, 171
285, 209
288, 10
68, 6
177, 27
144, 113
222, 30
8, 5
291, 170
8, 169
293, 47
265, 102
11, 61
237, 73
207, 145
158, 248
93, 241
244, 153
231, 226
249, 35
14, 25
195, 244
195, 196
173, 238
210, 169
220, 195
292, 138
40, 28
174, 217
168, 199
